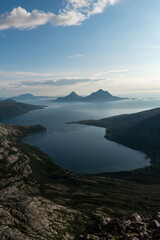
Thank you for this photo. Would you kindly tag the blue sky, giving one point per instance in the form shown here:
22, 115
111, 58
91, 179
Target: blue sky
53, 47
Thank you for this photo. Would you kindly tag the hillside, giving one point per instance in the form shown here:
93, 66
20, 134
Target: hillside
140, 131
24, 211
98, 96
40, 200
11, 108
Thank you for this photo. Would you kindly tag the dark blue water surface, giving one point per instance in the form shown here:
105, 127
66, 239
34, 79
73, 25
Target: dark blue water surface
82, 148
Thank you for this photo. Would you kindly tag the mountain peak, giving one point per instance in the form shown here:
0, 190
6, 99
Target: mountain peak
101, 91
72, 97
73, 94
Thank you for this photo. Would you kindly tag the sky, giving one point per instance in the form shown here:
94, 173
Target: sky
53, 47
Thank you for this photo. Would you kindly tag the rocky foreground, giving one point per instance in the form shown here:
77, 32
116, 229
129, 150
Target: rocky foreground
24, 213
131, 228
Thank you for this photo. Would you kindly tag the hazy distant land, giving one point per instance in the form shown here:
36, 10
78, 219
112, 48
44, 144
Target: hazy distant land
29, 96
98, 96
11, 108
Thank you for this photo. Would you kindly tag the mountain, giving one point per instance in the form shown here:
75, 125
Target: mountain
72, 97
25, 96
29, 96
98, 96
10, 108
101, 95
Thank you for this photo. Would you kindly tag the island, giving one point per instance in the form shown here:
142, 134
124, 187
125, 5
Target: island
29, 96
99, 96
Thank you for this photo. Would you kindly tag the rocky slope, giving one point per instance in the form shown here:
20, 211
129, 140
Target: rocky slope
24, 213
134, 227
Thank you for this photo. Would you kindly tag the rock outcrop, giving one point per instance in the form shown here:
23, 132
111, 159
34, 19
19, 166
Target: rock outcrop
135, 227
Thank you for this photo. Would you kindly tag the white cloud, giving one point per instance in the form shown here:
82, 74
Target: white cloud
112, 72
19, 74
20, 18
60, 75
76, 56
100, 5
75, 12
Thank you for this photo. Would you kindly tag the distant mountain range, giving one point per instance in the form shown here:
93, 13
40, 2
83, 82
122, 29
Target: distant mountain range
98, 96
29, 96
10, 108
24, 97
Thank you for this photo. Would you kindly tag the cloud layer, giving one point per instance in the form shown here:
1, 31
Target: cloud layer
75, 12
18, 74
59, 82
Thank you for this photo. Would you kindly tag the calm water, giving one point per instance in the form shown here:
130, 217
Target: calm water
82, 148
